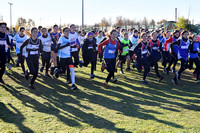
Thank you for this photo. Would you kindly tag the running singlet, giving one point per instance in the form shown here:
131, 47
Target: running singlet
46, 42
65, 52
19, 40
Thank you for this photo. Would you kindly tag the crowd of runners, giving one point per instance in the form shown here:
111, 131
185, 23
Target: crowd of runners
59, 50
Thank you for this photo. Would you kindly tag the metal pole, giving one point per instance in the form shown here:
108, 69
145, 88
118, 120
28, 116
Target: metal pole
82, 14
10, 15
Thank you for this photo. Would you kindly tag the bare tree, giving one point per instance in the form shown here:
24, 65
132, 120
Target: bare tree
20, 22
104, 23
30, 24
153, 23
145, 22
119, 21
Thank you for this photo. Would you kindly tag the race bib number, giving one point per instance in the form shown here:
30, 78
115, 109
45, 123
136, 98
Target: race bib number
111, 51
47, 43
2, 42
155, 48
74, 49
144, 51
126, 50
33, 52
90, 47
184, 47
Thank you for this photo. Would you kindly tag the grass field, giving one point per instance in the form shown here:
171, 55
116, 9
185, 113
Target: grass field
128, 106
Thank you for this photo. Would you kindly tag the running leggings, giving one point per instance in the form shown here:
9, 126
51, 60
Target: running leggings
110, 63
21, 61
46, 56
2, 64
33, 64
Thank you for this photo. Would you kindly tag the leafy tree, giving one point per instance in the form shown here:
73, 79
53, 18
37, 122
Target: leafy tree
183, 23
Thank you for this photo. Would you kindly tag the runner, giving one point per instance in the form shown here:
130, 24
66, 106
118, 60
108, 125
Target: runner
173, 54
165, 54
64, 58
19, 39
4, 44
75, 45
143, 51
155, 55
56, 35
99, 39
193, 56
33, 47
47, 40
124, 53
182, 54
89, 52
111, 45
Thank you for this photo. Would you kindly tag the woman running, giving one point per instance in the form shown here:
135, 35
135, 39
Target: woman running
111, 45
124, 53
47, 40
56, 35
75, 44
33, 49
155, 55
134, 40
4, 44
89, 52
19, 39
182, 54
64, 58
143, 51
165, 54
173, 54
99, 38
193, 56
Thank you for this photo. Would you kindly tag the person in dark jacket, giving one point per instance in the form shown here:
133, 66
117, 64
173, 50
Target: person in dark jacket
89, 52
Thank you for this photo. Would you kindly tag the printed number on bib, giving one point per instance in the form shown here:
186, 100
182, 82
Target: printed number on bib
125, 50
33, 52
111, 51
74, 49
2, 42
184, 47
155, 48
144, 51
47, 43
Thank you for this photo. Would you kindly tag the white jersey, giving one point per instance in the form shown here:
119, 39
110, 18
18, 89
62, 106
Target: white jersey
65, 52
120, 37
46, 42
134, 41
98, 41
19, 41
81, 39
32, 48
74, 41
130, 33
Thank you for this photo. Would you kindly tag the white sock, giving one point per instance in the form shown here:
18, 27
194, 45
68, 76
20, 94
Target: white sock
72, 75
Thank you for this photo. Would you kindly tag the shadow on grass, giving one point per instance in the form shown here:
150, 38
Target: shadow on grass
60, 103
10, 117
126, 106
155, 94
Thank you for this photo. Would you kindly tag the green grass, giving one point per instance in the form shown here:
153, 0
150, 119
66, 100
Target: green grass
128, 106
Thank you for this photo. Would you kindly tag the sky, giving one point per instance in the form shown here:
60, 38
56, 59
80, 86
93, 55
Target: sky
49, 12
